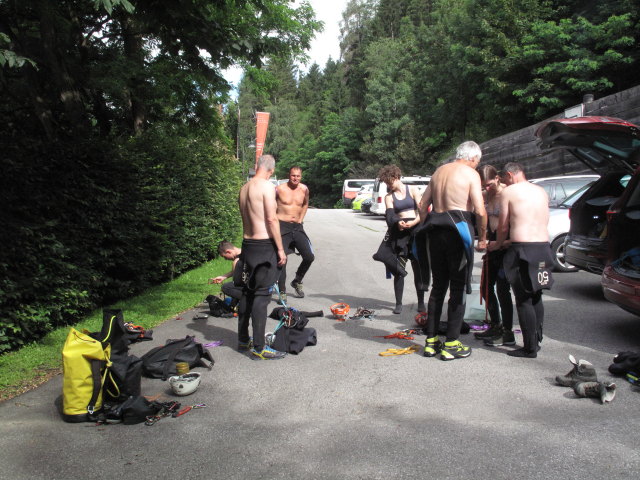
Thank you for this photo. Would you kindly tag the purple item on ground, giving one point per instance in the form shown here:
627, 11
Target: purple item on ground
217, 343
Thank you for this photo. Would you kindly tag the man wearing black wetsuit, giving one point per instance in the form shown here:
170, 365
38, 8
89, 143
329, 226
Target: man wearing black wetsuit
524, 214
456, 195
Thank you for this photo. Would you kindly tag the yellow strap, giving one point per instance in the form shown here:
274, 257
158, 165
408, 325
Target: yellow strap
392, 352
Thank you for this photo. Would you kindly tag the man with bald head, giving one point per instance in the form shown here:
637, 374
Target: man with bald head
261, 259
455, 195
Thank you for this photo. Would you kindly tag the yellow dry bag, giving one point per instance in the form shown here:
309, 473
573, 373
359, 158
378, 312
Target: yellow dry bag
85, 363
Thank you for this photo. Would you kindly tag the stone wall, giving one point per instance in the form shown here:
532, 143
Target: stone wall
522, 145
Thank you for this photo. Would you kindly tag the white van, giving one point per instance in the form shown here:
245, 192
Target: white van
351, 187
380, 191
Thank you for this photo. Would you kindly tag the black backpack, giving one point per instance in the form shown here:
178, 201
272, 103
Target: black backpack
218, 307
160, 362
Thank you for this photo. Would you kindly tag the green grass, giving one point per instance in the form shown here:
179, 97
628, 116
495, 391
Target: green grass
35, 363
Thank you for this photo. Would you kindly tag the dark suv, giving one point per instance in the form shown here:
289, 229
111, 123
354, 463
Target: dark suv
621, 276
608, 146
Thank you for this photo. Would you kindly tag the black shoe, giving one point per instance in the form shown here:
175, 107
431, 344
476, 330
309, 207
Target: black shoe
522, 353
297, 286
422, 308
492, 332
398, 308
507, 338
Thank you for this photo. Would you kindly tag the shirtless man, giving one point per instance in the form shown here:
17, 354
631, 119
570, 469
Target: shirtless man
229, 251
261, 259
293, 202
524, 214
456, 194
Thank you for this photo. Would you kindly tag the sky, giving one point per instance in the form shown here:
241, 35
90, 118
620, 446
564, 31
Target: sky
323, 46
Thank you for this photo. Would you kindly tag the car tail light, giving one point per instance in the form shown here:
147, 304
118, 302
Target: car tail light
569, 213
379, 200
612, 213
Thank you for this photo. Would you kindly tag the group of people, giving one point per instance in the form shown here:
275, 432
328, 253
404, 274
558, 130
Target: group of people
436, 231
272, 221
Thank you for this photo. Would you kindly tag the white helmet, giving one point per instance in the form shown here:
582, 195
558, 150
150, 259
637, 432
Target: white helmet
185, 384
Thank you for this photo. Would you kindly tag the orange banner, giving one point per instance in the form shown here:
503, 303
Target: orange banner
262, 124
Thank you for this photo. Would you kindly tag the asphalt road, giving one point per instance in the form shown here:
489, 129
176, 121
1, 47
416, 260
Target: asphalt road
339, 410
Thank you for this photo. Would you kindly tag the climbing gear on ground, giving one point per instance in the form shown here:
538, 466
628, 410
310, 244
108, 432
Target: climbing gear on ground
402, 334
605, 391
297, 286
421, 319
432, 346
187, 409
392, 352
506, 338
185, 384
362, 312
582, 371
268, 353
454, 349
166, 409
340, 311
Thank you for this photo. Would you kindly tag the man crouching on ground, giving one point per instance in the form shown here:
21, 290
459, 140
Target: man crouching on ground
261, 259
524, 214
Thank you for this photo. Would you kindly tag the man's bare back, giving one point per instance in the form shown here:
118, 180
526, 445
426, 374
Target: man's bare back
292, 199
257, 197
524, 208
452, 188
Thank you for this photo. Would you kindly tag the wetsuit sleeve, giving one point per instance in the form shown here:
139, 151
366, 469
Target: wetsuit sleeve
392, 217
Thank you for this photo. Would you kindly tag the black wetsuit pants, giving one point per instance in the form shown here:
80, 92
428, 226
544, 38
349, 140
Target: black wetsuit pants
497, 283
294, 237
256, 272
530, 311
446, 253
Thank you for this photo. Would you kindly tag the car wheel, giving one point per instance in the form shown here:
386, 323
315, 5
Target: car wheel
559, 264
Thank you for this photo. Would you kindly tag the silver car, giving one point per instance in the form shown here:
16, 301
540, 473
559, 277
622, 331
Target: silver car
558, 228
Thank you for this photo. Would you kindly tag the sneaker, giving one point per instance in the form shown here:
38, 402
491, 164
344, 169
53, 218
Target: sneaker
507, 338
297, 286
454, 349
245, 345
268, 353
491, 332
432, 346
582, 371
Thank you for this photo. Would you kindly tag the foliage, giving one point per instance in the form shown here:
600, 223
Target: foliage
419, 76
118, 173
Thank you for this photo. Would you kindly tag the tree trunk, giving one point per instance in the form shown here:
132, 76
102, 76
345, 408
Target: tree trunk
135, 56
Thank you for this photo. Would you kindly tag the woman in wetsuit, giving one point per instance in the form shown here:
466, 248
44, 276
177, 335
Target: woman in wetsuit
500, 307
402, 216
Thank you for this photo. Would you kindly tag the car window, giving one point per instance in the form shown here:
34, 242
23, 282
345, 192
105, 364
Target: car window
357, 183
570, 200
